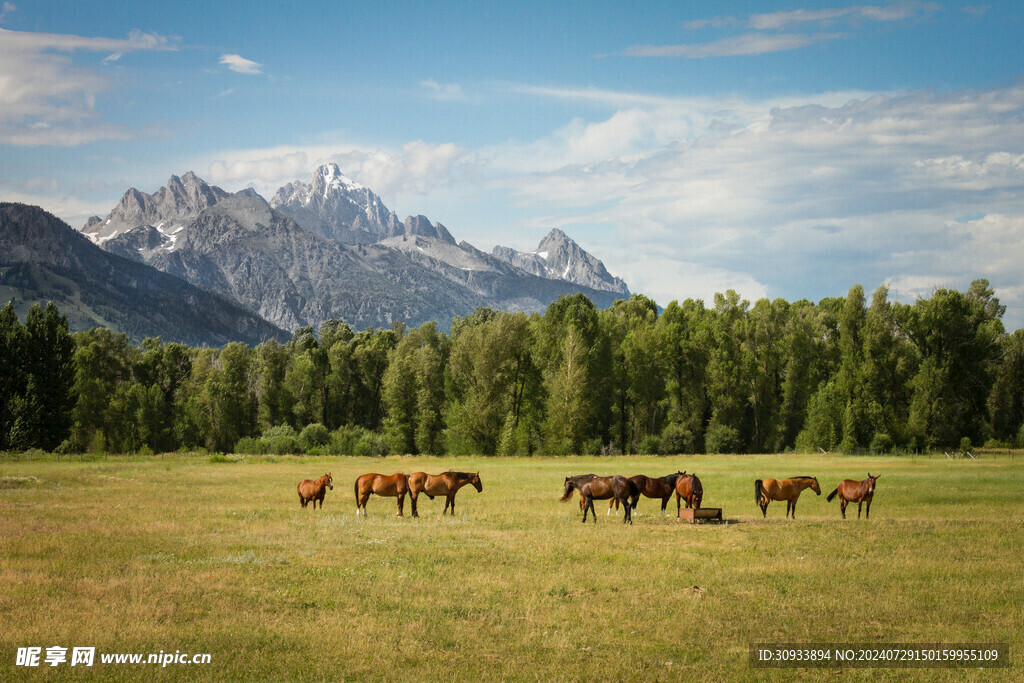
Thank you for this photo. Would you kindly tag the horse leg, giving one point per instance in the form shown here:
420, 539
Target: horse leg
859, 503
867, 509
789, 506
615, 502
842, 505
589, 506
629, 511
664, 503
764, 510
453, 505
412, 502
401, 503
794, 509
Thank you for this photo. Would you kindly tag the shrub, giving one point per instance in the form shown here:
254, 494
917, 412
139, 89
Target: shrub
649, 445
965, 445
882, 442
282, 440
249, 446
371, 445
591, 446
677, 438
722, 439
313, 436
344, 439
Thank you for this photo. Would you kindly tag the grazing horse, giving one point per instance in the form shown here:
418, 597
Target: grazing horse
310, 490
444, 484
858, 492
397, 485
765, 491
602, 488
651, 487
688, 488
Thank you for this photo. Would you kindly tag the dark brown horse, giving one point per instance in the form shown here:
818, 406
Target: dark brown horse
858, 492
397, 485
445, 484
652, 487
688, 488
789, 490
310, 490
602, 488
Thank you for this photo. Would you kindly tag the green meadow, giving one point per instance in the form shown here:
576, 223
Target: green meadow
142, 555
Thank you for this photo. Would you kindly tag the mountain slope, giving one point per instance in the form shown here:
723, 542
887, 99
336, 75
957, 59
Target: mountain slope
559, 258
334, 206
167, 209
42, 258
243, 249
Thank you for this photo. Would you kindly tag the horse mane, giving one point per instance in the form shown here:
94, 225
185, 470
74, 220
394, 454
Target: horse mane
814, 478
462, 475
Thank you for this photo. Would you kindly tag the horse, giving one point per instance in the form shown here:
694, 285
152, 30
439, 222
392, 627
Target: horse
782, 489
858, 492
446, 484
688, 488
602, 488
396, 485
651, 487
310, 490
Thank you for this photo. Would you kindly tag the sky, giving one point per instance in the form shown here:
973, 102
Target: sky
782, 149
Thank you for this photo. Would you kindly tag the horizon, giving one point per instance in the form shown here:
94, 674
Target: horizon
780, 149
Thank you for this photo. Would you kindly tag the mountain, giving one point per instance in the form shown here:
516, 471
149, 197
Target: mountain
166, 210
334, 206
330, 249
559, 258
505, 286
243, 249
42, 258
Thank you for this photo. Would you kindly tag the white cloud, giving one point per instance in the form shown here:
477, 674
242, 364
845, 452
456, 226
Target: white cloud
894, 12
46, 99
240, 64
743, 45
797, 198
416, 168
6, 9
443, 92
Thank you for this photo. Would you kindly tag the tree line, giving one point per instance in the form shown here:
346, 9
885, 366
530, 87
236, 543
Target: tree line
842, 374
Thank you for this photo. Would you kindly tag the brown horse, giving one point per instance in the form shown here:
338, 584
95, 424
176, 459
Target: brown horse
858, 492
765, 491
602, 488
397, 485
444, 484
310, 490
688, 488
651, 487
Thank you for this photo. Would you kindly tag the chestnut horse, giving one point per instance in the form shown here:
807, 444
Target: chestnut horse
602, 488
651, 487
688, 488
444, 484
858, 492
310, 490
782, 489
397, 485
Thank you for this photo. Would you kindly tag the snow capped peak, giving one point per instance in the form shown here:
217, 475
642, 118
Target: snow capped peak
332, 177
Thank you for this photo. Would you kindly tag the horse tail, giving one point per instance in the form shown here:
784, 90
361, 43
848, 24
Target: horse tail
568, 492
757, 491
832, 495
356, 488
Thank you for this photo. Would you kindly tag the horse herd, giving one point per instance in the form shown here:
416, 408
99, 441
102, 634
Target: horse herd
617, 490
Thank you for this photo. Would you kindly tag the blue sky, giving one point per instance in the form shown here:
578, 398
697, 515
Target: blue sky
782, 149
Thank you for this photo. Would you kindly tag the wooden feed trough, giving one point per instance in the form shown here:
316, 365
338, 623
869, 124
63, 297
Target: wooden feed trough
693, 514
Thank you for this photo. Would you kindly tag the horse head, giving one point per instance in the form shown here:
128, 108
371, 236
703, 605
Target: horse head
475, 481
815, 487
569, 486
329, 481
871, 483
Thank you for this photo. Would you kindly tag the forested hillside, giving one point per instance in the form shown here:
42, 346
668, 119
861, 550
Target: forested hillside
844, 374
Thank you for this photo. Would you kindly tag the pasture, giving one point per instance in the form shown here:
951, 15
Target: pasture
181, 553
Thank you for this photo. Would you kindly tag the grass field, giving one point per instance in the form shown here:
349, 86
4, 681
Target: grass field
205, 557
